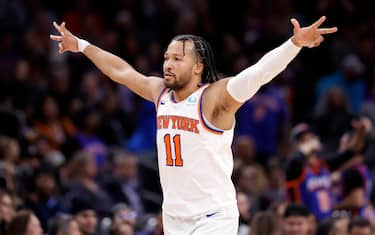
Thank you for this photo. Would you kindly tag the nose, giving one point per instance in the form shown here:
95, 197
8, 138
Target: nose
168, 65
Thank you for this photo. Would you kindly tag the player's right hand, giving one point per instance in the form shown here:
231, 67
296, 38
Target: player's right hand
67, 41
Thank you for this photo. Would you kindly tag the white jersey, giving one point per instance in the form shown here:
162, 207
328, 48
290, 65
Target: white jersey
195, 159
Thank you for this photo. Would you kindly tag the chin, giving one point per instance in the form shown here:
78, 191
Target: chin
171, 85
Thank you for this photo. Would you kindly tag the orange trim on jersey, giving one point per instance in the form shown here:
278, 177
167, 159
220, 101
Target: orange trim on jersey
201, 119
294, 186
159, 98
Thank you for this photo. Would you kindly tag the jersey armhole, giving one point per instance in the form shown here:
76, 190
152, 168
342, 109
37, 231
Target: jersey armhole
205, 123
159, 98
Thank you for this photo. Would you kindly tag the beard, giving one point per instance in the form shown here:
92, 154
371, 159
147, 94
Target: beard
177, 84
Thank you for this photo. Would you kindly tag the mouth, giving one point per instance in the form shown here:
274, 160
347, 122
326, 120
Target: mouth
169, 75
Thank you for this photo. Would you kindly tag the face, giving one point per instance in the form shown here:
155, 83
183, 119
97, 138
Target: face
360, 231
50, 109
180, 64
123, 222
6, 208
244, 205
127, 169
46, 184
341, 227
34, 228
296, 225
73, 228
86, 221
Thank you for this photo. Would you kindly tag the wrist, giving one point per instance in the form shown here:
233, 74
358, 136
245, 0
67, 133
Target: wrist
295, 42
82, 44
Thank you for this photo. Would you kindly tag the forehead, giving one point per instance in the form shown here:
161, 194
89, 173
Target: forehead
178, 48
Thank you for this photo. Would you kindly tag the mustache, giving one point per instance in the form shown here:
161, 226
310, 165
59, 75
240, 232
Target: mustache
169, 74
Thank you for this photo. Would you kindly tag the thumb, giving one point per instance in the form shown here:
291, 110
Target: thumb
295, 24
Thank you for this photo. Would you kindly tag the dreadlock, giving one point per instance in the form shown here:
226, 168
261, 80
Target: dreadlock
205, 53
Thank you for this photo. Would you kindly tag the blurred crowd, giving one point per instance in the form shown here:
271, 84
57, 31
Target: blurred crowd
77, 151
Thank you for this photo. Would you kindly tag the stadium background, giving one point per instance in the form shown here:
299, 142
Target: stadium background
68, 131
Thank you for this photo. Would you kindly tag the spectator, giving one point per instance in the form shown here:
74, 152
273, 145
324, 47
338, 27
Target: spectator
44, 199
156, 227
64, 225
296, 220
348, 78
6, 210
332, 117
87, 138
337, 224
243, 151
360, 226
83, 172
266, 110
123, 220
252, 181
265, 223
24, 223
244, 208
308, 175
52, 125
84, 214
9, 154
123, 184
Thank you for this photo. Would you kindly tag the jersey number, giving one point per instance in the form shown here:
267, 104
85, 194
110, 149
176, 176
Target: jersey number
177, 150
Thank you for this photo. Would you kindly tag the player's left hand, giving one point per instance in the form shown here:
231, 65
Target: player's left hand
310, 36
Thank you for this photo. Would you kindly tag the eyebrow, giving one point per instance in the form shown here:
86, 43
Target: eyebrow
175, 54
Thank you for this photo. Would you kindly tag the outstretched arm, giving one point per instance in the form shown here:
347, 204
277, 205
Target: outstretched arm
244, 85
234, 91
112, 66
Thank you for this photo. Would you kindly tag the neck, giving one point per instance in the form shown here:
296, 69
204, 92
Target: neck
184, 92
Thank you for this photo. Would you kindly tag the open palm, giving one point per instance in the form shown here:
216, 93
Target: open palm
310, 36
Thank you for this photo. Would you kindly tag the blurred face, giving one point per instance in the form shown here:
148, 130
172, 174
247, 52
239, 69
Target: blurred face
296, 225
6, 208
244, 205
34, 228
123, 222
90, 169
341, 227
50, 109
86, 221
360, 231
127, 169
73, 228
179, 64
45, 184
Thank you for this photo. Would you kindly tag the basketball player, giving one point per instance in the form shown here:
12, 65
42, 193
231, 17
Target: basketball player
195, 120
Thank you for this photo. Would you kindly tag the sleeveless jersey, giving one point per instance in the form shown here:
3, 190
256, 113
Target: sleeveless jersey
195, 159
313, 189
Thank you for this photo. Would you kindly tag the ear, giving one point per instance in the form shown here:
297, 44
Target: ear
198, 68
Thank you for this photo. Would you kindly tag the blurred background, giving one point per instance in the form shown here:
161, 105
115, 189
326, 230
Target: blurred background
78, 150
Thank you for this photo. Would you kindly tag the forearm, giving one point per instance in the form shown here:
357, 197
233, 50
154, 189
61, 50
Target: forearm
120, 71
244, 85
111, 65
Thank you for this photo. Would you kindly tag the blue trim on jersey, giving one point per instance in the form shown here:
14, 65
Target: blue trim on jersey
203, 119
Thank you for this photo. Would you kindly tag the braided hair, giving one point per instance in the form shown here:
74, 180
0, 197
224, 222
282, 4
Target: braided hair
205, 53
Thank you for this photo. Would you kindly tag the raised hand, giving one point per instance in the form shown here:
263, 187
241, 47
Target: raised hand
310, 36
67, 41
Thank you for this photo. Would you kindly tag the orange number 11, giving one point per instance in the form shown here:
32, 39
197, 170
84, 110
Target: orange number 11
177, 150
